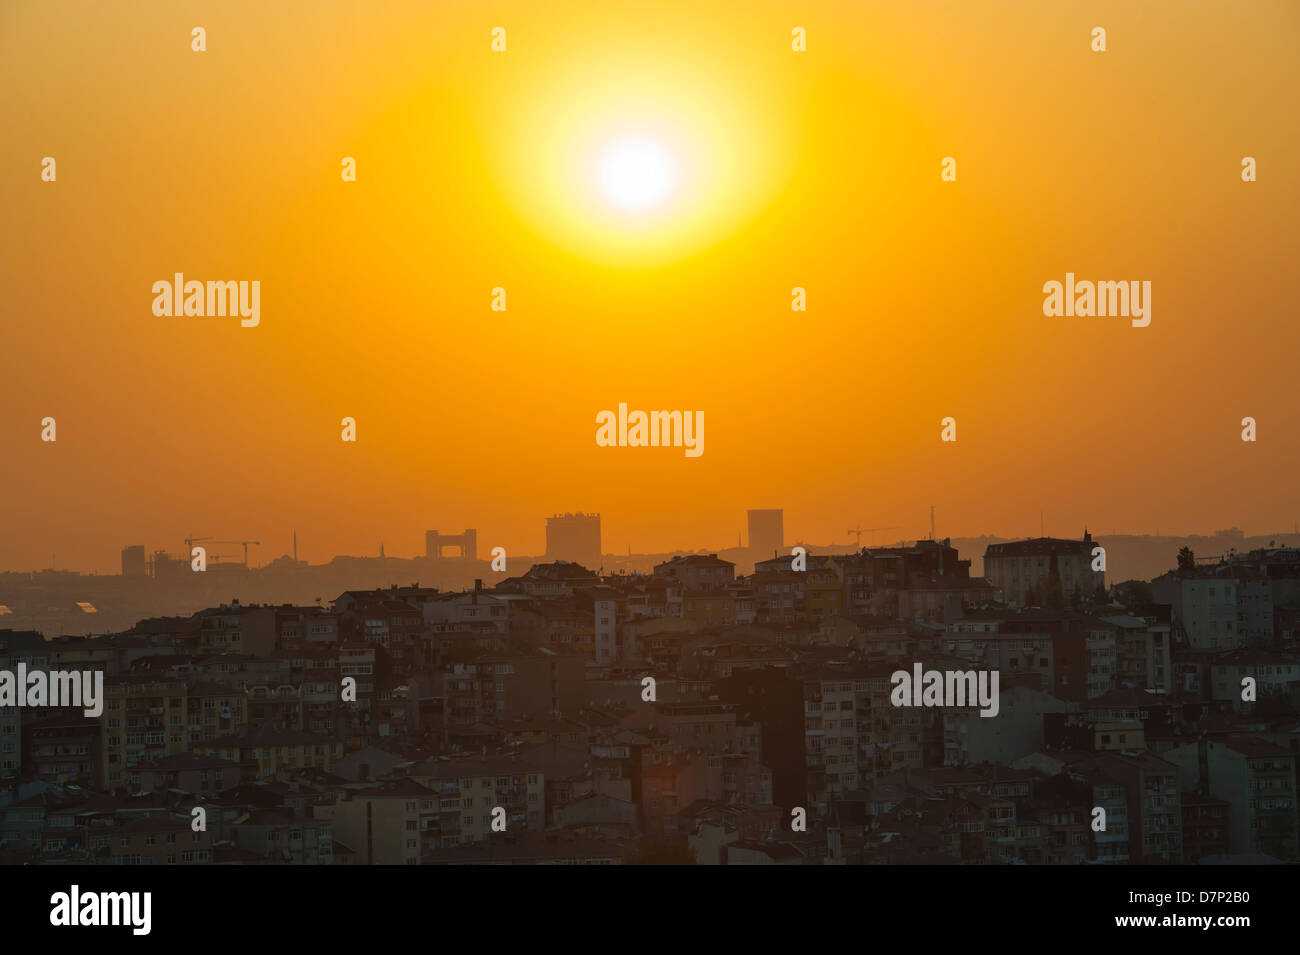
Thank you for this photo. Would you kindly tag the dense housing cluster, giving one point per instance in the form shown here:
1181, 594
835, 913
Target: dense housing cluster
684, 714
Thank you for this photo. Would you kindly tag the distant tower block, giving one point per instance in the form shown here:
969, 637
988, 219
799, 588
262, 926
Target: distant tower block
767, 531
574, 537
133, 563
435, 542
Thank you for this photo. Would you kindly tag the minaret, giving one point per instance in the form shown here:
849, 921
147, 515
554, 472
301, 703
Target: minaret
295, 546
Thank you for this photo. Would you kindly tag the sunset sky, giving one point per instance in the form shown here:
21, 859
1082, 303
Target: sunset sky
478, 169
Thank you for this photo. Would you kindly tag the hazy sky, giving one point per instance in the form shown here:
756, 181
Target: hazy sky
478, 169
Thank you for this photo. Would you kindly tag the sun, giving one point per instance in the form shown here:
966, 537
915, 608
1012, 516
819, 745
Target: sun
621, 162
636, 174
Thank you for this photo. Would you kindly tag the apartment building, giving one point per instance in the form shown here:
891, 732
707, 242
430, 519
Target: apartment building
144, 720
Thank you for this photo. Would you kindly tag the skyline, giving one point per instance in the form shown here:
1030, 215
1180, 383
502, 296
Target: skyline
267, 552
152, 582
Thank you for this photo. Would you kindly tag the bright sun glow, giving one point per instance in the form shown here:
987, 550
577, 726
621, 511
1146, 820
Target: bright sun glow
636, 174
620, 163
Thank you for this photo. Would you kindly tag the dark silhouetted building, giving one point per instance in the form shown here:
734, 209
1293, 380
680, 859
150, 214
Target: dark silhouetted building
766, 531
133, 563
574, 537
467, 542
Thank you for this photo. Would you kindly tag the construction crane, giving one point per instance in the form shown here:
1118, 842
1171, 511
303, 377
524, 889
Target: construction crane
191, 541
872, 530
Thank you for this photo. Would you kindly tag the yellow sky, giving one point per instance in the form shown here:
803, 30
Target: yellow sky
817, 169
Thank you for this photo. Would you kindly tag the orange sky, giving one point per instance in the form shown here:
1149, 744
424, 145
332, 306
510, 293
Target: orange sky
817, 169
